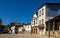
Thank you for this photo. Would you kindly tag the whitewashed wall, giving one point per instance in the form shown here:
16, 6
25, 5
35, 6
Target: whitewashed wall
42, 17
13, 29
20, 29
27, 28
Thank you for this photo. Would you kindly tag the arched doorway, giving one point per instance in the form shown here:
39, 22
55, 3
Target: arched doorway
36, 30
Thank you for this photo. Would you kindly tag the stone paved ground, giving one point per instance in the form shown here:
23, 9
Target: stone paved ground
16, 36
22, 36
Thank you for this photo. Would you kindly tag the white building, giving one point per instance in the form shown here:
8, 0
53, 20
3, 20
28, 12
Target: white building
27, 27
13, 29
20, 29
42, 18
34, 23
46, 11
16, 27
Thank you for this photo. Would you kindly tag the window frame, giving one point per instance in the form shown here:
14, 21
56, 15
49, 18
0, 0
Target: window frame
43, 11
39, 21
40, 13
42, 21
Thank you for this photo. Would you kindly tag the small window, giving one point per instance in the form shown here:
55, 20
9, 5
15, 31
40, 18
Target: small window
42, 21
42, 11
36, 21
31, 23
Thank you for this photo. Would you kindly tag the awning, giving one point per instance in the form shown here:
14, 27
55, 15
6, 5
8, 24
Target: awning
41, 26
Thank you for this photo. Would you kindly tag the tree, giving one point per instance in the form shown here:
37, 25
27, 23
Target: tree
0, 23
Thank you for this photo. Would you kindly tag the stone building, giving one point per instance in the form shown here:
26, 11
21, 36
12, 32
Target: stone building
27, 27
46, 11
54, 26
15, 27
34, 23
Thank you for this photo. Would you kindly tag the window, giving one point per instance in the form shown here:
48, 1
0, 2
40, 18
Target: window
32, 22
36, 21
42, 21
42, 11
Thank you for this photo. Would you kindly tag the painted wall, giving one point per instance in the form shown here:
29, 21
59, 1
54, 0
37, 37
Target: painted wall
34, 19
13, 29
42, 17
20, 29
27, 28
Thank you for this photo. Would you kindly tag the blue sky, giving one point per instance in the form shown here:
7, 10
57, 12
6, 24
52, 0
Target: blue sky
19, 10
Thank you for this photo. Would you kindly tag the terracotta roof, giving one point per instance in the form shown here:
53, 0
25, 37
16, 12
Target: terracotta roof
16, 24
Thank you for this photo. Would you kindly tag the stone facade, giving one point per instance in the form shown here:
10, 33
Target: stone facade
46, 11
34, 24
42, 18
15, 27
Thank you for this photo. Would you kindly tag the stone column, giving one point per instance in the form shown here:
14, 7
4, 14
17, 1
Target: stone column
59, 28
35, 30
53, 26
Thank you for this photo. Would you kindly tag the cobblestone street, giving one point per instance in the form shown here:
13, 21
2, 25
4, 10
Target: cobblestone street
18, 36
23, 36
